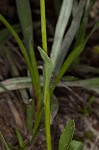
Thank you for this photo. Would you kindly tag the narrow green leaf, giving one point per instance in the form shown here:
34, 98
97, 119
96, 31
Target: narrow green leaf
47, 71
4, 141
36, 126
68, 38
26, 82
25, 17
74, 54
75, 145
66, 136
64, 16
36, 79
6, 34
15, 83
83, 25
15, 72
30, 115
19, 137
54, 108
21, 45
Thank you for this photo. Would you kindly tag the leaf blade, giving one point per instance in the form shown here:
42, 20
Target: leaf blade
75, 145
66, 136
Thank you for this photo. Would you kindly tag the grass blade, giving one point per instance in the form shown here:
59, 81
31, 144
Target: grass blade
21, 45
25, 17
36, 126
4, 141
30, 115
83, 26
19, 137
26, 82
36, 78
65, 12
69, 36
15, 73
74, 54
6, 34
47, 70
66, 136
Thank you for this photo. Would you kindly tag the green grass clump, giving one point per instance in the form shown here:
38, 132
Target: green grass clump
43, 85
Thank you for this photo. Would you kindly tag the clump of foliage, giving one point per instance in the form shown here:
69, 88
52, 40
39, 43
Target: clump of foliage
43, 85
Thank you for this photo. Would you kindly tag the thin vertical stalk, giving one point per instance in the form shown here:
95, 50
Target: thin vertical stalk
43, 25
47, 121
46, 98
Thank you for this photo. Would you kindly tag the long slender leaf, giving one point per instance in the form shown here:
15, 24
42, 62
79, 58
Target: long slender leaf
15, 72
21, 45
36, 78
25, 17
74, 54
23, 49
30, 115
19, 137
4, 141
26, 82
54, 108
65, 13
83, 25
6, 34
47, 71
69, 36
66, 136
36, 126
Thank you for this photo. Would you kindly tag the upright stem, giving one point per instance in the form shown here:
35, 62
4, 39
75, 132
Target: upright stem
47, 97
43, 25
47, 121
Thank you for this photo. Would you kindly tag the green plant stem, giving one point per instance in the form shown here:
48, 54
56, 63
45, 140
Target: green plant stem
47, 121
43, 25
36, 126
46, 97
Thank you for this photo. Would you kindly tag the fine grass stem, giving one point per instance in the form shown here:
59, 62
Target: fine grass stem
46, 94
43, 25
4, 141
